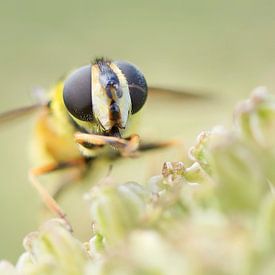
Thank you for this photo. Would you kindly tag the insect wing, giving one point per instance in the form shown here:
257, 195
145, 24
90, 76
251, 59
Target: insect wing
17, 113
163, 92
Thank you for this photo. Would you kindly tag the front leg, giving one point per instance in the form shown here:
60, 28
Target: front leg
127, 147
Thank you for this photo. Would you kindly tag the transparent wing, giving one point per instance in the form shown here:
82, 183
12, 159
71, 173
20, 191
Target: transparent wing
17, 113
170, 113
164, 92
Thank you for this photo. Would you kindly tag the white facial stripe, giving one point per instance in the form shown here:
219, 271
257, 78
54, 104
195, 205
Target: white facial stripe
124, 102
101, 102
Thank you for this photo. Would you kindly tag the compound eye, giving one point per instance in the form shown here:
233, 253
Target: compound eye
77, 94
136, 82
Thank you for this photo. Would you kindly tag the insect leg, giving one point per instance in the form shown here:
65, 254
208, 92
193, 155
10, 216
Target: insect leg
49, 201
157, 145
127, 147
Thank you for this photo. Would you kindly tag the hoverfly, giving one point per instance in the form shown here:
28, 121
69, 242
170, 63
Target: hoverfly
86, 116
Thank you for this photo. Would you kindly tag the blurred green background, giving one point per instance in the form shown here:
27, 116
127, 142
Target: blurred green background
222, 48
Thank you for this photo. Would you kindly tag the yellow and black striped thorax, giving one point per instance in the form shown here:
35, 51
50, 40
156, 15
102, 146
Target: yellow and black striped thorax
101, 97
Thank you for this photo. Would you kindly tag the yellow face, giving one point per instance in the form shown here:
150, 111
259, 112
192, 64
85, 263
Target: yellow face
102, 102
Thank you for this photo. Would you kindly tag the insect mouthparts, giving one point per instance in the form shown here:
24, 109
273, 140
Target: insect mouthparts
114, 132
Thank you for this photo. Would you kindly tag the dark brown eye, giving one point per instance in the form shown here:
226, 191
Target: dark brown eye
136, 82
77, 94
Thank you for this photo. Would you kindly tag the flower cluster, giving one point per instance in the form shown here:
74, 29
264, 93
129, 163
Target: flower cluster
214, 216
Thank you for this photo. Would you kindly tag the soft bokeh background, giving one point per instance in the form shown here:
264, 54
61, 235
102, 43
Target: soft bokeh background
222, 48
